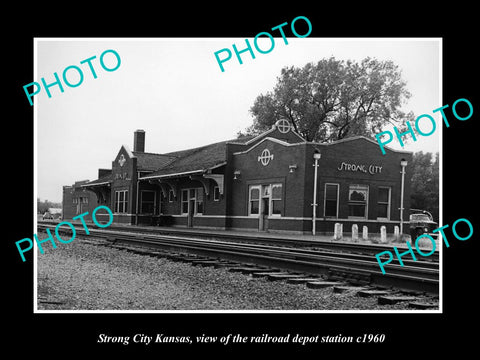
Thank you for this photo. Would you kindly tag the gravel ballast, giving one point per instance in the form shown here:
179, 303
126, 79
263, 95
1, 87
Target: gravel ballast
84, 276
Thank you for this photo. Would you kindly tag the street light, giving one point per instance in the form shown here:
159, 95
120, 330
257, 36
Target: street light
403, 164
316, 157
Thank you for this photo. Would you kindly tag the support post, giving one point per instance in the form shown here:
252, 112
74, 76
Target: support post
354, 233
365, 233
338, 231
316, 156
403, 164
396, 233
383, 234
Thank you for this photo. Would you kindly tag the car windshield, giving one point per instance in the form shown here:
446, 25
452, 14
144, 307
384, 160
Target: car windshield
420, 217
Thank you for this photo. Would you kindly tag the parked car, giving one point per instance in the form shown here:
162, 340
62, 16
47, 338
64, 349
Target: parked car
421, 222
47, 215
52, 214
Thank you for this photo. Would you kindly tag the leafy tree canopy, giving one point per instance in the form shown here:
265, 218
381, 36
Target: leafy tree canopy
334, 99
425, 182
43, 206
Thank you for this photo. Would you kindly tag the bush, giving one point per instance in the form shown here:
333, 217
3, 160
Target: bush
165, 220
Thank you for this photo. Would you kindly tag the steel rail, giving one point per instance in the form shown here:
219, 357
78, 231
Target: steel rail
420, 276
351, 248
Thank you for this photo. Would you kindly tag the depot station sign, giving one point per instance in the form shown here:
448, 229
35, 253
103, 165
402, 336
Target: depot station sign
371, 169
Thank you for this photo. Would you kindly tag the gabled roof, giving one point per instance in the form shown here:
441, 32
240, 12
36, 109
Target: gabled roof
127, 149
104, 180
151, 161
194, 160
297, 138
265, 139
208, 157
356, 138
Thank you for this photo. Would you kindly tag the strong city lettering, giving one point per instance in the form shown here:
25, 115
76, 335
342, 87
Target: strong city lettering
371, 169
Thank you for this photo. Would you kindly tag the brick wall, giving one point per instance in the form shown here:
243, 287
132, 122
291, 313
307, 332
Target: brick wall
358, 162
73, 202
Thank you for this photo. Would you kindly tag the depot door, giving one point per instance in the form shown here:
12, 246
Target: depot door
191, 207
264, 208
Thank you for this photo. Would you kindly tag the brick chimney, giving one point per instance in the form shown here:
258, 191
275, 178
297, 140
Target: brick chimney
139, 141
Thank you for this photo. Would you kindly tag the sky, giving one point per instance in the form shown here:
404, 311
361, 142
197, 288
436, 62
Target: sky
174, 89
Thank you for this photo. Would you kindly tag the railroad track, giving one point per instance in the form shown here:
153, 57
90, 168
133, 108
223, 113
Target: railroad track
354, 268
350, 248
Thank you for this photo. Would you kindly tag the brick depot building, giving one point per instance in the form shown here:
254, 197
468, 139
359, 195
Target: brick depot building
262, 183
77, 200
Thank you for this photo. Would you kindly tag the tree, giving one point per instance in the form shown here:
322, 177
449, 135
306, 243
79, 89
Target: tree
42, 207
334, 99
425, 182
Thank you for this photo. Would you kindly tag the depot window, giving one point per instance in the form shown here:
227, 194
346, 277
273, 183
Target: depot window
171, 195
358, 201
192, 201
216, 193
271, 197
254, 200
81, 199
147, 202
121, 201
185, 201
331, 200
199, 201
384, 196
276, 200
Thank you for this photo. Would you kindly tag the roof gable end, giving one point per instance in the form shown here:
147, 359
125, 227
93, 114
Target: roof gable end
364, 139
272, 139
281, 130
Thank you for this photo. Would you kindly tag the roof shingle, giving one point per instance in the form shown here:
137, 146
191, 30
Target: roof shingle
151, 161
189, 160
197, 159
100, 181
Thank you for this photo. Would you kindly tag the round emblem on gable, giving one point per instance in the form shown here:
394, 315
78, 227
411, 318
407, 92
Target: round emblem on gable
121, 160
265, 157
283, 126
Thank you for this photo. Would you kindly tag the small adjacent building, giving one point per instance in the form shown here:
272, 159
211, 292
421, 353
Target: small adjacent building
77, 200
270, 182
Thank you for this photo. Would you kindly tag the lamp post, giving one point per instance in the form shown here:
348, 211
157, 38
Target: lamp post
403, 164
316, 157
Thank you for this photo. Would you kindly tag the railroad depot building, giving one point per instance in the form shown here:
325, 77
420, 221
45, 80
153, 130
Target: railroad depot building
262, 183
77, 200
